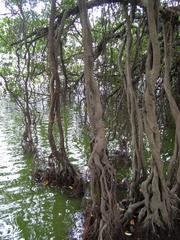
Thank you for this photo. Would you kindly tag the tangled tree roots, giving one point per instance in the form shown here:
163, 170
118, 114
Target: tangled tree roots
67, 179
102, 214
89, 231
93, 227
157, 212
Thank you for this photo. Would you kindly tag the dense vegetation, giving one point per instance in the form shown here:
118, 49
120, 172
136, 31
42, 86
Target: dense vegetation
118, 61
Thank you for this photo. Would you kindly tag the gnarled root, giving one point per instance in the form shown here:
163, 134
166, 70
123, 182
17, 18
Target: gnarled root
68, 178
157, 212
130, 212
102, 216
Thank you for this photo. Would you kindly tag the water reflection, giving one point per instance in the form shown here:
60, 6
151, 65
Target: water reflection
27, 211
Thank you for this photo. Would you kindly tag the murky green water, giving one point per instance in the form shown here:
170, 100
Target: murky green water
27, 210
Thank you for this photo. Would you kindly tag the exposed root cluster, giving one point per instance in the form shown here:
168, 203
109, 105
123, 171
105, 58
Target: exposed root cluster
157, 211
68, 178
102, 215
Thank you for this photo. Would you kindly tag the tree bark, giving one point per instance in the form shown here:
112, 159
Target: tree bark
103, 210
157, 210
29, 134
54, 114
175, 160
66, 173
138, 170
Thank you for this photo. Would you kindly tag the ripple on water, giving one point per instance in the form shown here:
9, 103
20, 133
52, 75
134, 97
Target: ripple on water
28, 211
77, 230
8, 207
8, 231
5, 179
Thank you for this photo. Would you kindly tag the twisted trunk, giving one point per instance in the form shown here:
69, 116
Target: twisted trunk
66, 173
102, 217
175, 160
55, 88
157, 211
136, 121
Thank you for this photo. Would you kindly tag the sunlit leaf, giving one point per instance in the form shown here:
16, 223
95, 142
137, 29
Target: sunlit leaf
132, 222
128, 233
45, 182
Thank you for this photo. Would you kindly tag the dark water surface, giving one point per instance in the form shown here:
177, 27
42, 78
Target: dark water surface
27, 210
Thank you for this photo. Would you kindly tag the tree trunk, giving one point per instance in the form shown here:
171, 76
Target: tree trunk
136, 121
102, 218
157, 211
175, 160
28, 142
66, 173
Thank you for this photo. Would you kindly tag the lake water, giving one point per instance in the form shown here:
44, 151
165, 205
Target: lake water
28, 210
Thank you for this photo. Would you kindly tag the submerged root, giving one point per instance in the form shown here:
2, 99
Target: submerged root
71, 184
29, 147
67, 179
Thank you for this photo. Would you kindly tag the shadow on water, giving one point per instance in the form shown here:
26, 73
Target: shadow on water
27, 210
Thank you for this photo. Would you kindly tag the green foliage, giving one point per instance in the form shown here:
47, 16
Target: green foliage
68, 4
